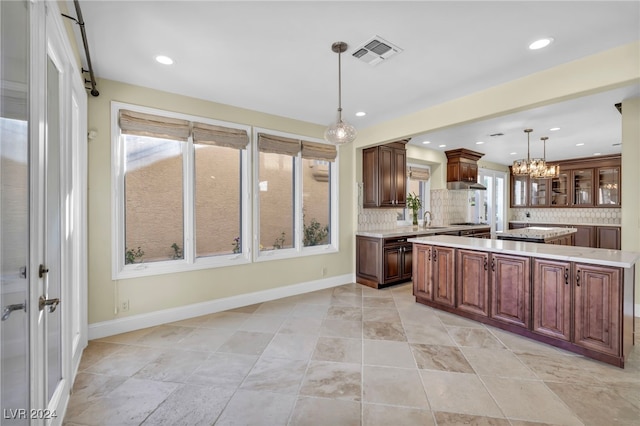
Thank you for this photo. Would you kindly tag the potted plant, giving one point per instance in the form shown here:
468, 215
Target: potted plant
415, 204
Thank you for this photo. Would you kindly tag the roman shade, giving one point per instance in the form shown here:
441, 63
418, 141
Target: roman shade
209, 134
278, 144
318, 151
155, 126
416, 173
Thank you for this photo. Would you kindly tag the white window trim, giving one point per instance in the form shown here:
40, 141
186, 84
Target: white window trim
297, 250
189, 263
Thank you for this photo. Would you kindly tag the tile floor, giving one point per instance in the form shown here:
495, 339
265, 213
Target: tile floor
344, 356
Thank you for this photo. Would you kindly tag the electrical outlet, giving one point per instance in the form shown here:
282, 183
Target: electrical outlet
124, 305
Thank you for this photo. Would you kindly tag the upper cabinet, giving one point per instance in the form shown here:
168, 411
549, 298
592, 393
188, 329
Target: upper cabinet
584, 182
384, 175
462, 165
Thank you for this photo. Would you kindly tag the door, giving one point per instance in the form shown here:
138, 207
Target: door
552, 298
510, 287
492, 207
473, 282
14, 212
598, 296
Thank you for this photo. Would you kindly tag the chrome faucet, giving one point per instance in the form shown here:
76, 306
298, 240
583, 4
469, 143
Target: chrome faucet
424, 219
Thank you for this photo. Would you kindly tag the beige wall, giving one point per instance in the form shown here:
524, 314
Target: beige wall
630, 178
159, 292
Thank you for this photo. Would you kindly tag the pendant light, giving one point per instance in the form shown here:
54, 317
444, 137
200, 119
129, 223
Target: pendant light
527, 166
340, 132
548, 171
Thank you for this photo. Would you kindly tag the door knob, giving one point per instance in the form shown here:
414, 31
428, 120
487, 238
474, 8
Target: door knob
51, 303
6, 312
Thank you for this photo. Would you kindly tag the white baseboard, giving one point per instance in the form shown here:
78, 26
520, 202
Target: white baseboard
137, 322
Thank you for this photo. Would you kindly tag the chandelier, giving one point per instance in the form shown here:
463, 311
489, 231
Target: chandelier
340, 132
547, 171
528, 166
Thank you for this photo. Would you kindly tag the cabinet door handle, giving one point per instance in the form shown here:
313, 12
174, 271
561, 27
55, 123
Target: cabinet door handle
485, 263
578, 279
493, 265
435, 252
566, 276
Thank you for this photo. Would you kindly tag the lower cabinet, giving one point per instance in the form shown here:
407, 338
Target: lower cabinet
434, 274
510, 289
578, 303
505, 277
552, 298
472, 286
597, 303
608, 237
584, 308
383, 261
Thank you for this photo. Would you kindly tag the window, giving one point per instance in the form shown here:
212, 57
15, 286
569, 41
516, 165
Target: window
179, 185
417, 183
295, 186
182, 197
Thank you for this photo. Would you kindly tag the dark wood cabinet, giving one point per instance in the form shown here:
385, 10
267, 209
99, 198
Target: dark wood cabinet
397, 263
582, 182
383, 261
552, 298
472, 283
597, 308
608, 237
434, 274
519, 191
462, 165
608, 186
384, 175
539, 192
510, 289
584, 298
585, 236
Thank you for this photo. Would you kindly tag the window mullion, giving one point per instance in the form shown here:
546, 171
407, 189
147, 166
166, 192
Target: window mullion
297, 213
188, 156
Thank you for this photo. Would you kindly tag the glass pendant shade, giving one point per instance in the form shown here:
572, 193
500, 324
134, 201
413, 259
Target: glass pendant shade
340, 132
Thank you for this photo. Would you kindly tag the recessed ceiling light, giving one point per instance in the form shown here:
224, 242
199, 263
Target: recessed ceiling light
580, 144
597, 153
426, 142
539, 44
164, 60
360, 114
554, 129
442, 146
512, 153
479, 143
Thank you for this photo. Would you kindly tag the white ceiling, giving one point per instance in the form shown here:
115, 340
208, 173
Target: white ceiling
276, 57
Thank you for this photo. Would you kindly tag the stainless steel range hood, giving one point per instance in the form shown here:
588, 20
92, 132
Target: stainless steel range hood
461, 185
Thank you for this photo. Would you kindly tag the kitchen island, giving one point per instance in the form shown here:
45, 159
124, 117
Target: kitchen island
577, 298
540, 234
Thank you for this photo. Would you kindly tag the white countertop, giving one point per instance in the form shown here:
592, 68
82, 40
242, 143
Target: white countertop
536, 233
556, 223
605, 257
401, 231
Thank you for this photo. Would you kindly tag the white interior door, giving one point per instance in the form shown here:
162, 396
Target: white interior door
14, 212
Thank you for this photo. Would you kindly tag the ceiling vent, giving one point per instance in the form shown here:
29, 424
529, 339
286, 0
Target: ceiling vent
375, 51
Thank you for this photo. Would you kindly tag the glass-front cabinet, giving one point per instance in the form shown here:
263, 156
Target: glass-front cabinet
539, 192
608, 186
519, 191
582, 187
560, 190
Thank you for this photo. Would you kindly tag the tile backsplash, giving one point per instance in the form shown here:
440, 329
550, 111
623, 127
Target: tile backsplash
573, 215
